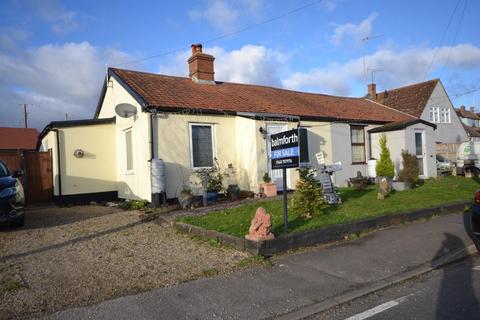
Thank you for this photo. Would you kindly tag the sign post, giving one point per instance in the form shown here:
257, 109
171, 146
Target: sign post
285, 153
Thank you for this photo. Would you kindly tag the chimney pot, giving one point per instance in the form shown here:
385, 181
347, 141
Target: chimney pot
462, 108
196, 47
472, 109
372, 91
200, 66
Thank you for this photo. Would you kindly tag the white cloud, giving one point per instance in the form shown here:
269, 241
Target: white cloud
218, 13
56, 79
225, 15
62, 21
329, 5
398, 68
353, 31
249, 64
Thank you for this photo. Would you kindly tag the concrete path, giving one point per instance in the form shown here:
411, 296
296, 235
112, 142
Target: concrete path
295, 281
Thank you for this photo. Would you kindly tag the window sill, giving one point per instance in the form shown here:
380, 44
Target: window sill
354, 163
129, 173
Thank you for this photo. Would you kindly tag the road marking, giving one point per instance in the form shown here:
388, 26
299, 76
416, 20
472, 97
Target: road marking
476, 268
378, 309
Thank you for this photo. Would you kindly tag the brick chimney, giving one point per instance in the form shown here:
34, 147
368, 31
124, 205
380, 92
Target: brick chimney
200, 66
462, 108
372, 91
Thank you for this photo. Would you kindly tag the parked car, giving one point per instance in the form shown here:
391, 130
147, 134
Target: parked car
476, 220
444, 164
12, 197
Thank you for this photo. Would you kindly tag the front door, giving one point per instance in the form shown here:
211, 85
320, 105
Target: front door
276, 175
420, 153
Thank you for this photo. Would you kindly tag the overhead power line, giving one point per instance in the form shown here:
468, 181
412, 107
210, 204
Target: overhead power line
427, 71
226, 35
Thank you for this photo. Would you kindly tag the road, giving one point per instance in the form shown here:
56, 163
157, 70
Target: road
449, 293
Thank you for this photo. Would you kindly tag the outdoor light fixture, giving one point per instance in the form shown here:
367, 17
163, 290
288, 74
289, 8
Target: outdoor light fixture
263, 132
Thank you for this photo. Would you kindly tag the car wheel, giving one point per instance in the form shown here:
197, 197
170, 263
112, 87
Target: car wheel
18, 223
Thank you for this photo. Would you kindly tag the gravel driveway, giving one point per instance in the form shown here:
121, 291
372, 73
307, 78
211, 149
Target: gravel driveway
82, 255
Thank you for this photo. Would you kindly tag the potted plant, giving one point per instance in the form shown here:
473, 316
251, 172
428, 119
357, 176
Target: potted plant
269, 188
385, 169
186, 196
211, 180
408, 176
359, 182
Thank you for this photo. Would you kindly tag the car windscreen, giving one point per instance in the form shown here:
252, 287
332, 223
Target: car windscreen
3, 170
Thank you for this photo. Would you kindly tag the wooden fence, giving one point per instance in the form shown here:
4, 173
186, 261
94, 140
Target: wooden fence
38, 179
448, 150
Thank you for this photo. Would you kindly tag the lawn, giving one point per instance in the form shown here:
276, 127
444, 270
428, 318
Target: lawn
357, 204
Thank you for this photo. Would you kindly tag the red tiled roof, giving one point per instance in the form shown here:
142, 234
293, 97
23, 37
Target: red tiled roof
18, 138
168, 92
411, 99
464, 113
471, 131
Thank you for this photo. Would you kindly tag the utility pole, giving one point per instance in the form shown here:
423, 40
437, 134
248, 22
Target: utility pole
25, 114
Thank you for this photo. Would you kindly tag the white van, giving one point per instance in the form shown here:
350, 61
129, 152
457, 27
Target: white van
468, 156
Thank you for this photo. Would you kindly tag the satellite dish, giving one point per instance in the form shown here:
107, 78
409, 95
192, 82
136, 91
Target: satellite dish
78, 153
125, 110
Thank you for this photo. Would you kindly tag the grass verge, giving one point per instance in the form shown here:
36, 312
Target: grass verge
357, 204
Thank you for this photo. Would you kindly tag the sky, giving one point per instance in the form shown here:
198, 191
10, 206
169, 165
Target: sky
54, 54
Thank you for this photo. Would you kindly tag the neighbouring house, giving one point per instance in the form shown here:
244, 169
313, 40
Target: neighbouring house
470, 121
430, 102
188, 122
14, 142
18, 139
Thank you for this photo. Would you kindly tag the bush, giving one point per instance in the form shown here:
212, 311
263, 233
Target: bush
384, 167
266, 178
308, 199
135, 204
211, 179
410, 170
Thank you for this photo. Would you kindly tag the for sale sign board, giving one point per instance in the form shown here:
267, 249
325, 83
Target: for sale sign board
284, 149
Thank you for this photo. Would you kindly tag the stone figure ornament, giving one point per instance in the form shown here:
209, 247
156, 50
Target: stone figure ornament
260, 226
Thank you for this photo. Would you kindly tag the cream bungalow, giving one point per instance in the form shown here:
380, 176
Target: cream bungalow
188, 122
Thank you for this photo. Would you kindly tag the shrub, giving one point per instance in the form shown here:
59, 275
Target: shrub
211, 179
308, 199
410, 170
266, 178
135, 204
384, 167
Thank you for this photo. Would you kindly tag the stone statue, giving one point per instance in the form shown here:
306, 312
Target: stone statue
260, 227
384, 188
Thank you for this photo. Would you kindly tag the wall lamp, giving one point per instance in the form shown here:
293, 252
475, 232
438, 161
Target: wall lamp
263, 132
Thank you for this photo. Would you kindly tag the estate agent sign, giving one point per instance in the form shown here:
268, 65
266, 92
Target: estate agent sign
284, 153
285, 149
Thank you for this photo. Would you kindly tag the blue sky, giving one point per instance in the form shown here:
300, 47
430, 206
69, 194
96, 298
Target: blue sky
53, 54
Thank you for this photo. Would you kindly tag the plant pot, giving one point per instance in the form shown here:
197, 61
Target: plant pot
185, 199
233, 192
270, 189
359, 184
401, 185
212, 197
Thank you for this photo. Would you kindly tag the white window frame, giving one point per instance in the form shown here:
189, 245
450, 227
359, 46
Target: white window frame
440, 115
128, 171
190, 144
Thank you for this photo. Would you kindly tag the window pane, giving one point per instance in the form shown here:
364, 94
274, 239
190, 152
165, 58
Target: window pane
128, 148
358, 153
303, 135
357, 135
418, 144
202, 149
